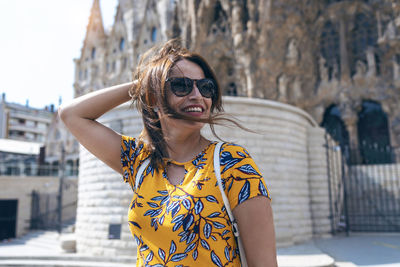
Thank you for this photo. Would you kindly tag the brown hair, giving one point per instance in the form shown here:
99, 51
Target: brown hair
150, 89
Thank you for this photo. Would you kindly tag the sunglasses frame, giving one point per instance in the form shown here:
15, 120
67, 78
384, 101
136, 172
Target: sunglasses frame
192, 82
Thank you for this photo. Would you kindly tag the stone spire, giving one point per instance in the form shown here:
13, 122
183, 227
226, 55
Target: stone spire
95, 28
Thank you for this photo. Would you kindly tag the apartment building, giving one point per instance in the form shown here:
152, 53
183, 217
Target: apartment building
24, 123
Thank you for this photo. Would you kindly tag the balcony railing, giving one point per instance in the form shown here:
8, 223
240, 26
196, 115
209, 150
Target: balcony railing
15, 169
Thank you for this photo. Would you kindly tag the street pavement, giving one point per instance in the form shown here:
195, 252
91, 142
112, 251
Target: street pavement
365, 250
361, 249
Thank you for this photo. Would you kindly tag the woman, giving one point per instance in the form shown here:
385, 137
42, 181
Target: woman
177, 214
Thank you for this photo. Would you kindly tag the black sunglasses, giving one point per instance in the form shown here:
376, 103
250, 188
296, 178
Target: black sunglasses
182, 86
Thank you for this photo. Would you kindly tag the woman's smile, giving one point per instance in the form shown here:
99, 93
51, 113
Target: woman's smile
194, 110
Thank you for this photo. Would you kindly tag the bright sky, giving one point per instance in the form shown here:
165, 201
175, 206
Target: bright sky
38, 41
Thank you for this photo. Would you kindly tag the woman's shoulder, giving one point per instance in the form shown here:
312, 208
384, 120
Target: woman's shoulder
235, 148
131, 145
234, 157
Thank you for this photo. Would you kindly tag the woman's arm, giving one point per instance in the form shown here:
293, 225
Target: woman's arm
80, 118
256, 227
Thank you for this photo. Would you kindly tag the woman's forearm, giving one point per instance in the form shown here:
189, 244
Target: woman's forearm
91, 106
80, 118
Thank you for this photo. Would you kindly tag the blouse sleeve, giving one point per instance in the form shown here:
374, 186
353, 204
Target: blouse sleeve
240, 175
130, 157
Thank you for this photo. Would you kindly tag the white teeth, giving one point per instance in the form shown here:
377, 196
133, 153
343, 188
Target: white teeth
193, 109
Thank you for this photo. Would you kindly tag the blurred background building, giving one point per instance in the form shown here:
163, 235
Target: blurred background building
32, 180
24, 123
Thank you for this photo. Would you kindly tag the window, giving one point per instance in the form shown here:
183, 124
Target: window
122, 44
373, 134
334, 125
113, 67
30, 136
231, 90
330, 49
30, 124
363, 37
154, 34
354, 35
93, 55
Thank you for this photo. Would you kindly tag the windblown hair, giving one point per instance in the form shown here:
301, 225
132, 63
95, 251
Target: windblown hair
151, 89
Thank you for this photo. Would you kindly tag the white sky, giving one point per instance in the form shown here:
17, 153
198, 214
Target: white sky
38, 41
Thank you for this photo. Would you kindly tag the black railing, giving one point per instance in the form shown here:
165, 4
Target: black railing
370, 183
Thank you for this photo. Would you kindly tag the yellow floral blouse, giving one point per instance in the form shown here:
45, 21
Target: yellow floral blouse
187, 224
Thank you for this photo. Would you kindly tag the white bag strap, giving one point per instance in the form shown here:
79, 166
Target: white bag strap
217, 170
235, 229
140, 172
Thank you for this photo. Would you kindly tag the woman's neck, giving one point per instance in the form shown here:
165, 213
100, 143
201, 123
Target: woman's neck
183, 147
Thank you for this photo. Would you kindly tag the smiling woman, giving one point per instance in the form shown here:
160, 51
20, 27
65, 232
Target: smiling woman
184, 185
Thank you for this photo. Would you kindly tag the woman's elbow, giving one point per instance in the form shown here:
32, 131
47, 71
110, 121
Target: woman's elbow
64, 112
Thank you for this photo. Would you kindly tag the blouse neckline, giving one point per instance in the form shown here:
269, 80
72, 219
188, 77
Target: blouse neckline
169, 161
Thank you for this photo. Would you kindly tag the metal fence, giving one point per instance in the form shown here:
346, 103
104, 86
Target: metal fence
364, 188
373, 190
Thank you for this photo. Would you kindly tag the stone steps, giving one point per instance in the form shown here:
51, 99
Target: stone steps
67, 261
42, 248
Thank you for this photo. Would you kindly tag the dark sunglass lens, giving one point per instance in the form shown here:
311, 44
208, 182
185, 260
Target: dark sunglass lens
207, 87
181, 86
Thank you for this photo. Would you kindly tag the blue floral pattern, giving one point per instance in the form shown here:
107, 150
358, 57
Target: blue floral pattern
187, 224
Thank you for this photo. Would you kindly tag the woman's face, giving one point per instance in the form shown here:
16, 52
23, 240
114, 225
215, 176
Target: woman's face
193, 104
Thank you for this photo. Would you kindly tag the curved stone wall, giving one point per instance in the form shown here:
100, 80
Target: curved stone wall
287, 147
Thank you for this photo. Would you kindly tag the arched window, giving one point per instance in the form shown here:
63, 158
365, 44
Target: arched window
335, 126
122, 44
93, 54
330, 49
363, 37
219, 24
154, 34
373, 134
231, 90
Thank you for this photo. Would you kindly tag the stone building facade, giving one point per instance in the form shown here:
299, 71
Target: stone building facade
337, 60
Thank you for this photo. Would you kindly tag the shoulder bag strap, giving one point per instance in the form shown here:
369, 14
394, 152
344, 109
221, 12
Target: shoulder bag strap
235, 229
140, 172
